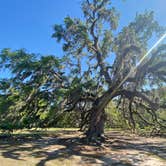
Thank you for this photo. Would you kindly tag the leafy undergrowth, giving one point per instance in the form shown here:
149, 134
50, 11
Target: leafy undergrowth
66, 147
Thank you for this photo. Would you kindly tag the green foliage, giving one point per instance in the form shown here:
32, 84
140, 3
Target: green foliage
69, 120
42, 91
34, 91
115, 118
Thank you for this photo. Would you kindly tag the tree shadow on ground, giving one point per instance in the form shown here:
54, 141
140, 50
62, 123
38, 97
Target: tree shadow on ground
130, 143
65, 148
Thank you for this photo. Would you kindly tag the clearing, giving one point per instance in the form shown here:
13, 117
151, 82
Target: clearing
65, 148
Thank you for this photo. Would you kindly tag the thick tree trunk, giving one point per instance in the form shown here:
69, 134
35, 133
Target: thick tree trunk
96, 126
98, 117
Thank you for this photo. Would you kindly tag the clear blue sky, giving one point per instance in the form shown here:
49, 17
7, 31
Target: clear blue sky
28, 23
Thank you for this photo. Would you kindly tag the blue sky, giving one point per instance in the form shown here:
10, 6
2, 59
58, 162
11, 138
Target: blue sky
28, 23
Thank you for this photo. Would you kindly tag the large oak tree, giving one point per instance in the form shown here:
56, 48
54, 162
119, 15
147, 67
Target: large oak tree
100, 57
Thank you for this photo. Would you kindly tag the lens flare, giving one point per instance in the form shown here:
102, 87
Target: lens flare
141, 60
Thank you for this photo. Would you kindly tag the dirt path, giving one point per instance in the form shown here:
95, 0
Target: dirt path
65, 149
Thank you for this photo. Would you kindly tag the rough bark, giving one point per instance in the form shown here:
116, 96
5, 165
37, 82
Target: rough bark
98, 116
96, 126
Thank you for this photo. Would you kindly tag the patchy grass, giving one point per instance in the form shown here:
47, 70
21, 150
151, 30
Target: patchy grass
56, 147
35, 132
38, 130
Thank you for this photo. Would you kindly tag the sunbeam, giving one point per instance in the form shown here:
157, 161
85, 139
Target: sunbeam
141, 60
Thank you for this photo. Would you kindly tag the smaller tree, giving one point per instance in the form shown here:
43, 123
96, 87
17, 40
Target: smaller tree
33, 92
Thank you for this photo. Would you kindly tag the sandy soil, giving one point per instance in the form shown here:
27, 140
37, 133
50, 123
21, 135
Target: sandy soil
66, 148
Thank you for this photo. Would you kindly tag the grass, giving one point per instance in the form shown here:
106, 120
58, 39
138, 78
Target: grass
40, 131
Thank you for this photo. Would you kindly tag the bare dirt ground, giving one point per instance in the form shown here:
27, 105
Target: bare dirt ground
65, 148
